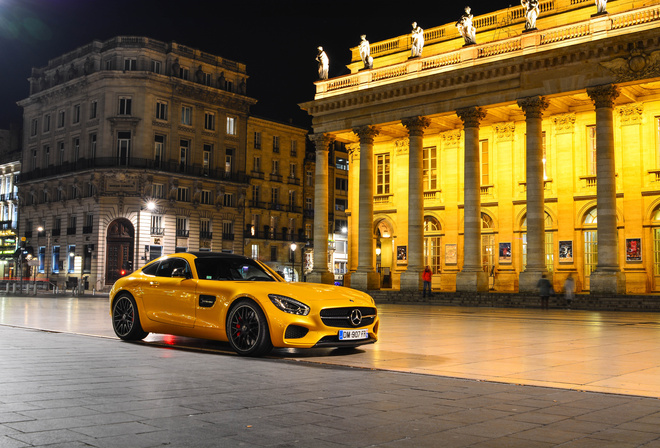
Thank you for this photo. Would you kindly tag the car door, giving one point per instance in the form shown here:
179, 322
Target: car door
168, 299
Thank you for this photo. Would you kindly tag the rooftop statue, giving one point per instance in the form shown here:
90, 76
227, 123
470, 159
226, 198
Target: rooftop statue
600, 6
365, 52
466, 29
531, 13
324, 63
417, 40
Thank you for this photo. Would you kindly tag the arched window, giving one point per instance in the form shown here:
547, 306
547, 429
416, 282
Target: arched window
487, 244
432, 243
590, 238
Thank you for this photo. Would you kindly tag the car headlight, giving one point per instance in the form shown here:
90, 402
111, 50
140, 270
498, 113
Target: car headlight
289, 305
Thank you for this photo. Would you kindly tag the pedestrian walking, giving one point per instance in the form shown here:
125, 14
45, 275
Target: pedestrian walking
427, 276
569, 290
545, 290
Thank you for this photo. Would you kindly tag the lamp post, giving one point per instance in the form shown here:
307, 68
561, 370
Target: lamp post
293, 260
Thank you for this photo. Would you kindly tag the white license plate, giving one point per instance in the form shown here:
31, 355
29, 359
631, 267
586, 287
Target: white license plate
345, 335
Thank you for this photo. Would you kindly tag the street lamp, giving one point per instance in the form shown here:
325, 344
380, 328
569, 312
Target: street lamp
41, 229
293, 259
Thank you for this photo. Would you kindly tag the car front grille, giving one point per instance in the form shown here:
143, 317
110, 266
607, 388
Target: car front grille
346, 317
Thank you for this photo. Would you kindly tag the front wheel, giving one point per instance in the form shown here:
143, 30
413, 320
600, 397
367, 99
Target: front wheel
247, 329
126, 319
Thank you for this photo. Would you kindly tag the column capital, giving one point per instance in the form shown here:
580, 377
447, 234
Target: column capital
471, 116
416, 125
603, 96
321, 141
366, 133
533, 106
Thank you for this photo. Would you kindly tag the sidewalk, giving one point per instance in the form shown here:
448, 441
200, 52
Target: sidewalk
66, 390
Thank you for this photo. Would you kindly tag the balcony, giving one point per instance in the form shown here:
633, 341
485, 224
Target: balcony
160, 231
71, 230
276, 177
293, 181
132, 163
56, 232
206, 235
256, 174
182, 233
228, 236
88, 229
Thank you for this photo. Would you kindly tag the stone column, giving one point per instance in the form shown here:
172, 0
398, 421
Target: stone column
320, 273
533, 108
472, 278
411, 279
607, 278
366, 276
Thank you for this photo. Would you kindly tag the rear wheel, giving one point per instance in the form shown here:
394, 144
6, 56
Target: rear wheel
247, 329
126, 319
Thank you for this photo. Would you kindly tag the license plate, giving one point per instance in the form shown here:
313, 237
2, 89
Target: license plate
345, 335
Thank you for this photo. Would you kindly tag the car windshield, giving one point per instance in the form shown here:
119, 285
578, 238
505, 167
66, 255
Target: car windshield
212, 268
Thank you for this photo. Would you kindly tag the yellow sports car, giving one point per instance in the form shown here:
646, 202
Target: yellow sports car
237, 299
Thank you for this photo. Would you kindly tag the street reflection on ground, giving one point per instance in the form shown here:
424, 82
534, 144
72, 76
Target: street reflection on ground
586, 350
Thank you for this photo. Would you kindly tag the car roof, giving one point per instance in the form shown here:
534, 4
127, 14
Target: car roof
225, 255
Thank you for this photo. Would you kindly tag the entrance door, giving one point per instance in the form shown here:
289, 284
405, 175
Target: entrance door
590, 255
120, 243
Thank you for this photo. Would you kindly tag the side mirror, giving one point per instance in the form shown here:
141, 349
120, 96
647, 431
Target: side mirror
180, 273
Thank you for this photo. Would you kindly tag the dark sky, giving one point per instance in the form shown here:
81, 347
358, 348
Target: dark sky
276, 39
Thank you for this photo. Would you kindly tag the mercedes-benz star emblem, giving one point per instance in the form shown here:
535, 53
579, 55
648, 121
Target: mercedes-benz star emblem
356, 317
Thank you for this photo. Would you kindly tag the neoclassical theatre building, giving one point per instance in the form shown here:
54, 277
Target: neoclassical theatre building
133, 148
532, 150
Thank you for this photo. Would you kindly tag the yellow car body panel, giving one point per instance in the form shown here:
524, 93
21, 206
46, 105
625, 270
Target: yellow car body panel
195, 307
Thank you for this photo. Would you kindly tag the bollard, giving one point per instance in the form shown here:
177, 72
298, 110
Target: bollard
7, 290
14, 288
93, 291
35, 289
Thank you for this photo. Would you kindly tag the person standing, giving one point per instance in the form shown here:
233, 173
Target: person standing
569, 289
427, 276
545, 289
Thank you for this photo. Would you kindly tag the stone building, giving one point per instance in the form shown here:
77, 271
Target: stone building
10, 168
132, 148
533, 151
274, 209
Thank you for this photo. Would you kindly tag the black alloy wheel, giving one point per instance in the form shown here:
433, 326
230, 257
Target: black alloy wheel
126, 319
247, 329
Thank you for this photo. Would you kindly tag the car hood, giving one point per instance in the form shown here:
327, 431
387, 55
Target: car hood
321, 295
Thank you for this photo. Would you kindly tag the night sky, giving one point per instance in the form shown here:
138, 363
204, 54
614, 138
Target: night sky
276, 39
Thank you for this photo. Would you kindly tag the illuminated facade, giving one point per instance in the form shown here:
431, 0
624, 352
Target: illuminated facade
132, 148
275, 201
529, 153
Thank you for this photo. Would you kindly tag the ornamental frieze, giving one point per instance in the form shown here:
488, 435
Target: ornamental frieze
564, 123
401, 147
504, 132
638, 65
630, 113
451, 138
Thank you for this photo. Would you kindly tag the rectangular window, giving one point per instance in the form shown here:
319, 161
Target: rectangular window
184, 147
157, 191
56, 260
207, 79
34, 127
276, 143
46, 123
231, 126
181, 226
92, 146
294, 148
209, 121
159, 150
257, 140
155, 67
341, 204
292, 200
125, 105
383, 174
205, 228
123, 147
46, 156
76, 149
71, 259
591, 150
206, 197
255, 251
292, 170
310, 178
61, 117
183, 194
93, 109
229, 156
75, 118
256, 165
430, 168
485, 166
276, 167
206, 159
274, 196
341, 184
156, 225
108, 64
342, 164
228, 230
60, 153
186, 115
255, 194
309, 204
161, 110
228, 200
42, 259
130, 64
184, 73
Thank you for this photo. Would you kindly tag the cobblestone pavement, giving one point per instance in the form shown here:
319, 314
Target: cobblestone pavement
67, 388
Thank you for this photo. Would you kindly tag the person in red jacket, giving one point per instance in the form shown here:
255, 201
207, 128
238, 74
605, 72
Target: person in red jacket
427, 276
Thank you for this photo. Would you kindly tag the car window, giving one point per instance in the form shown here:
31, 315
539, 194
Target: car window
167, 266
150, 269
224, 269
